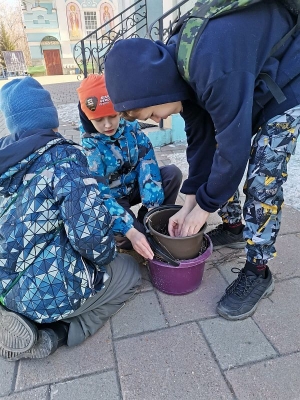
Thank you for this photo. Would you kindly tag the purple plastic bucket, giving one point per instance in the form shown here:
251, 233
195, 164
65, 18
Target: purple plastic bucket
182, 279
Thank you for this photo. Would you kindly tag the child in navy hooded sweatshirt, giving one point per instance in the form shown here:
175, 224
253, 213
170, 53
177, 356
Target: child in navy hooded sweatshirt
60, 276
122, 160
224, 103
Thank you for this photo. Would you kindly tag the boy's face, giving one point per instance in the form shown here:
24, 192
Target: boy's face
158, 112
107, 125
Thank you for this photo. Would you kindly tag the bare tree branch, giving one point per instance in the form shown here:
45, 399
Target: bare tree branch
12, 19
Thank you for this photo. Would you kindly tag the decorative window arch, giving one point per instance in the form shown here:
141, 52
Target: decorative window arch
50, 41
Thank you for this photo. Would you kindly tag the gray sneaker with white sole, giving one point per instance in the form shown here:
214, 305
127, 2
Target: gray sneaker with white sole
17, 333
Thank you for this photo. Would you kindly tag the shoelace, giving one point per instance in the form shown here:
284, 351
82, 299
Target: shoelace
217, 230
241, 285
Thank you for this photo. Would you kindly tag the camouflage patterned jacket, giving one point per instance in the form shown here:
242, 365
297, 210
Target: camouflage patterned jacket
121, 162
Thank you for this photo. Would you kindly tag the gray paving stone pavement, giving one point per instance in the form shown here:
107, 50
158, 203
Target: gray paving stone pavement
176, 347
246, 343
124, 325
274, 379
100, 386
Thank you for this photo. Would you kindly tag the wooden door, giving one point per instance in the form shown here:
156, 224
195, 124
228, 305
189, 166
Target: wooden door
53, 62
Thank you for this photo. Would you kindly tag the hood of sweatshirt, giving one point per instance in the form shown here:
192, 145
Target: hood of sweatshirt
16, 147
18, 152
85, 122
141, 73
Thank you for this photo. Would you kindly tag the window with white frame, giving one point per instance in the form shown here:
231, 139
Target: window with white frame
90, 20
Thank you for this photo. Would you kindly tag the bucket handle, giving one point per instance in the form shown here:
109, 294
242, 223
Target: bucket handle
162, 253
158, 248
155, 209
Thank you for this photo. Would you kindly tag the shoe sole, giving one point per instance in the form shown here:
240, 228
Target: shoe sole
45, 346
267, 293
238, 245
17, 334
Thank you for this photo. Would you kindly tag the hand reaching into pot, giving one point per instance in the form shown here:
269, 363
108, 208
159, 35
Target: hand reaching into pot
189, 220
194, 221
177, 220
140, 243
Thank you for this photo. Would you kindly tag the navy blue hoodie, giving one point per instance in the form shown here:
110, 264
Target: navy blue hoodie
225, 101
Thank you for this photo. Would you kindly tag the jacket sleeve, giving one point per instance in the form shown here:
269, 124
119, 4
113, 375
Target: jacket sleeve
86, 219
149, 177
201, 146
228, 102
122, 221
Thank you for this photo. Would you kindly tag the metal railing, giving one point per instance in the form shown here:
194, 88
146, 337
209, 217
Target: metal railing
162, 27
90, 52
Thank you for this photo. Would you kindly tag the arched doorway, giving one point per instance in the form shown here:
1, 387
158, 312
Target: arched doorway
51, 50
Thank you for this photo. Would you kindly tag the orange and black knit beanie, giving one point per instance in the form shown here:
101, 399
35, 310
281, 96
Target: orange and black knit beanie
94, 99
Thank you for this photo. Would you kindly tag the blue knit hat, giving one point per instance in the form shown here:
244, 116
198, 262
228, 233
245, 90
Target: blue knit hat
141, 73
27, 106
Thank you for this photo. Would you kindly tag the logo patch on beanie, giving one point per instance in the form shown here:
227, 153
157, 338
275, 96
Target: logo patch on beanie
91, 103
104, 100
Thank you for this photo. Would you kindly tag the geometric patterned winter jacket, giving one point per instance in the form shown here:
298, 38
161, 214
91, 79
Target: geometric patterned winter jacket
121, 162
55, 233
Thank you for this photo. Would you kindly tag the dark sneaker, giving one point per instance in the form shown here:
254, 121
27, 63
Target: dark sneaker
242, 295
17, 333
221, 237
46, 344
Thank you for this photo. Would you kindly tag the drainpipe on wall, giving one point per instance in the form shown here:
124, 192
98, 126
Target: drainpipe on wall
154, 10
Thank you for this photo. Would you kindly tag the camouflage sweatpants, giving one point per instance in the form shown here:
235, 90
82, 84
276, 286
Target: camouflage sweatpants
271, 150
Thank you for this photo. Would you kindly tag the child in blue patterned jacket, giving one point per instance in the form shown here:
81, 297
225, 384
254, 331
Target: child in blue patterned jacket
60, 276
122, 160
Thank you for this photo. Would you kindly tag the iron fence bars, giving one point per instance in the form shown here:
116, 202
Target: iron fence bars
89, 53
161, 28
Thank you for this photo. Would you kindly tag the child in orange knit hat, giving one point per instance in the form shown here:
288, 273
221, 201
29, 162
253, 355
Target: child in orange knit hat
122, 159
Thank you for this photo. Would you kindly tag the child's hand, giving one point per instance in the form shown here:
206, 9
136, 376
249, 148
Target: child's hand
176, 222
140, 243
184, 224
194, 221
